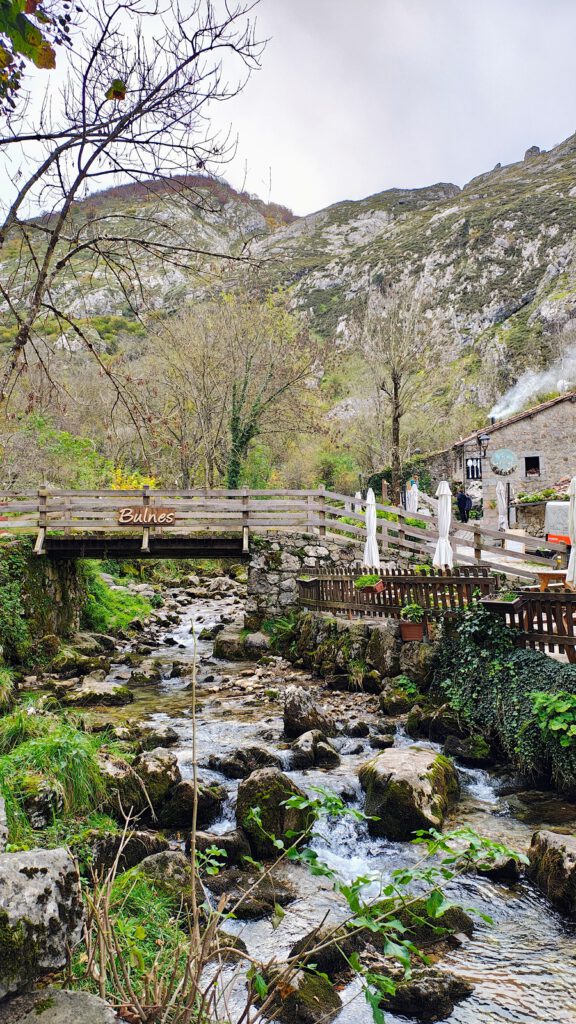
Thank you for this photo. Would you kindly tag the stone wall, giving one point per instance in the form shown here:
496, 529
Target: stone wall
275, 565
530, 517
360, 654
51, 594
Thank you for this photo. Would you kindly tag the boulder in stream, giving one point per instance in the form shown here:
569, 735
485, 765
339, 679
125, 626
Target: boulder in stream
57, 1006
144, 785
250, 894
96, 688
237, 764
383, 648
474, 751
177, 809
303, 713
256, 645
137, 845
40, 915
229, 644
267, 789
552, 868
407, 788
312, 749
430, 994
307, 998
234, 844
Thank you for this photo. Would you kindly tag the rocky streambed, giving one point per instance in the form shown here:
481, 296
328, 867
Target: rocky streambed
263, 716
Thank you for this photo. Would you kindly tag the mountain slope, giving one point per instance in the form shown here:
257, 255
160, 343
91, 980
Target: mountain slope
499, 256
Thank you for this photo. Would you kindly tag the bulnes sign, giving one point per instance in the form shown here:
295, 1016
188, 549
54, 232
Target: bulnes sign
145, 515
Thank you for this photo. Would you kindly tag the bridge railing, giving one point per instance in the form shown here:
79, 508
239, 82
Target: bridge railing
403, 537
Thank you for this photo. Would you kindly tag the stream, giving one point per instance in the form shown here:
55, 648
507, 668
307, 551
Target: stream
523, 966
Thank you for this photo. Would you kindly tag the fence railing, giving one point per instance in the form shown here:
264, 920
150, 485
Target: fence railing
403, 537
435, 591
542, 621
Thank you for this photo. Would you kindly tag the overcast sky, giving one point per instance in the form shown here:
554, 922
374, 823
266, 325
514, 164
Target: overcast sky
356, 96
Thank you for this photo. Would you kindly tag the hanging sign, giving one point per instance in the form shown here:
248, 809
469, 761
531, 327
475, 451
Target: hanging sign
146, 515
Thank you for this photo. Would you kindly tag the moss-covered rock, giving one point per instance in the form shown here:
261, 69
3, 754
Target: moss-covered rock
428, 995
417, 662
267, 790
552, 868
407, 788
394, 700
473, 751
176, 812
307, 999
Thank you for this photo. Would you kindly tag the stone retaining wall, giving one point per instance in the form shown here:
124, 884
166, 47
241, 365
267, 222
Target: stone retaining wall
362, 654
275, 565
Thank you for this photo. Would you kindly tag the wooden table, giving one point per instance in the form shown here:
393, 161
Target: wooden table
548, 576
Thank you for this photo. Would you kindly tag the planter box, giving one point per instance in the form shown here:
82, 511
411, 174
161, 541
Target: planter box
494, 605
411, 630
376, 588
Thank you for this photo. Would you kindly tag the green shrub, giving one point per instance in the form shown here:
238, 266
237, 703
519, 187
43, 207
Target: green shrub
14, 630
106, 610
63, 756
6, 688
556, 713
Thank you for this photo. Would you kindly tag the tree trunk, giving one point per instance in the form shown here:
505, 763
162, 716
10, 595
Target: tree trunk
395, 459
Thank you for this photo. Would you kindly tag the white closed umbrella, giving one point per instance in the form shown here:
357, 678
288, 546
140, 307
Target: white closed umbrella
357, 497
502, 505
371, 553
412, 497
571, 571
443, 555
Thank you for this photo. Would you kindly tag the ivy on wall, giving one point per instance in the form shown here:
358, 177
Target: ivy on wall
491, 684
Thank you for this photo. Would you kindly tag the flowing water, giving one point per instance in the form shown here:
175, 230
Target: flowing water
523, 966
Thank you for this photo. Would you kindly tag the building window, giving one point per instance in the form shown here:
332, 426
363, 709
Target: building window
473, 468
532, 465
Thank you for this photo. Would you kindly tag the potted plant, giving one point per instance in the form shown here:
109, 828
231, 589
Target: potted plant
370, 583
412, 622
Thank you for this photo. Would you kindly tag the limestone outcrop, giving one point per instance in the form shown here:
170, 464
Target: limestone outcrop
40, 915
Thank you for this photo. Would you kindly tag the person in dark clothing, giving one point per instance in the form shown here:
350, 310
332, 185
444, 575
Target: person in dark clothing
464, 503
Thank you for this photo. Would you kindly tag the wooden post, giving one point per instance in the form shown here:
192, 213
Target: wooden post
477, 545
42, 521
145, 530
401, 538
384, 486
322, 510
310, 514
67, 515
245, 519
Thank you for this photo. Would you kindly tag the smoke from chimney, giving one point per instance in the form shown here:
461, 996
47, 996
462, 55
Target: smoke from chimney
561, 376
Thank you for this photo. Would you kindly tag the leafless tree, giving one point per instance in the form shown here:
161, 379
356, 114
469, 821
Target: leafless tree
224, 373
400, 343
134, 107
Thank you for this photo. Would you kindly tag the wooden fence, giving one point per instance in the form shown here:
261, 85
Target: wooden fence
403, 538
542, 621
435, 591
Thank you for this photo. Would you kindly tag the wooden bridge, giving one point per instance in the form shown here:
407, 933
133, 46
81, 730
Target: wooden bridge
168, 523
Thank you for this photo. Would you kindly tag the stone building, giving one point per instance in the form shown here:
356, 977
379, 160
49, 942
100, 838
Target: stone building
530, 451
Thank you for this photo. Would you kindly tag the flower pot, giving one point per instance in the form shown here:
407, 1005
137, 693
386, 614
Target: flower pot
411, 630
